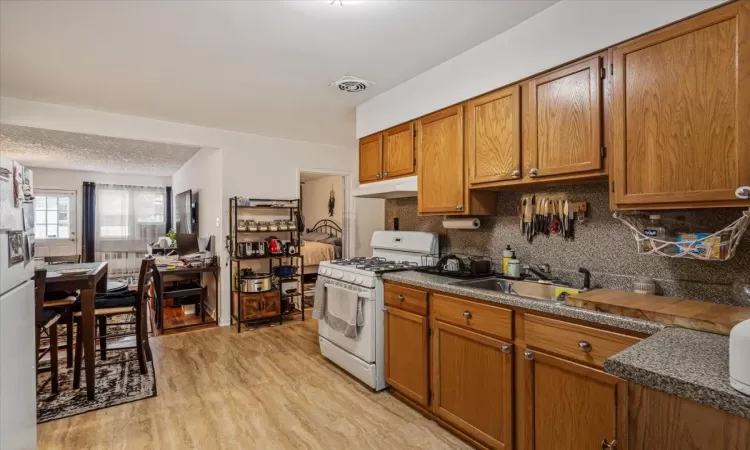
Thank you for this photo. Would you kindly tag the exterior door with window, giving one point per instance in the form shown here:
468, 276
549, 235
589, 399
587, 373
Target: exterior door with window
55, 223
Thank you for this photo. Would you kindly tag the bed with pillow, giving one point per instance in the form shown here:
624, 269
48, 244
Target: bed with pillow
321, 243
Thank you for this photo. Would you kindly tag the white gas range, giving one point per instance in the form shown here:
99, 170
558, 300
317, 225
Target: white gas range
364, 356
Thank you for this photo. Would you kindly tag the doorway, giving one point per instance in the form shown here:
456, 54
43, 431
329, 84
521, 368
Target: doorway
55, 222
324, 212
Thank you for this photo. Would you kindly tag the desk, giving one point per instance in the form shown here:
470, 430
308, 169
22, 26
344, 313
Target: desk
89, 283
162, 274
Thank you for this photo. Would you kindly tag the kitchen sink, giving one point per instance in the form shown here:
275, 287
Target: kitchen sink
522, 288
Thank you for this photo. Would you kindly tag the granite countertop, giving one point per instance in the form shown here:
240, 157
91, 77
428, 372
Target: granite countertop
443, 284
687, 363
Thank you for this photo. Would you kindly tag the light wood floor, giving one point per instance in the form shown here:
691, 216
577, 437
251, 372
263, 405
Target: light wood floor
268, 388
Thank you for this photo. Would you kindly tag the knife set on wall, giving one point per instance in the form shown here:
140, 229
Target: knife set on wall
549, 214
272, 246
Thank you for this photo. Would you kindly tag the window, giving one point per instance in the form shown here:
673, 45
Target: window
114, 213
52, 217
130, 213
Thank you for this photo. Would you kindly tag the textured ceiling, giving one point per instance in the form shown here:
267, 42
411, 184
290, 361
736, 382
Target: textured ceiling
259, 67
37, 147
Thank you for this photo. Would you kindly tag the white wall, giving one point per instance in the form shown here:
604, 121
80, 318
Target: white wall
72, 180
560, 33
251, 165
315, 195
371, 217
202, 175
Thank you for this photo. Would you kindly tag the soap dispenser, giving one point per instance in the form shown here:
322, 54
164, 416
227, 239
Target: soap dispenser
514, 267
507, 255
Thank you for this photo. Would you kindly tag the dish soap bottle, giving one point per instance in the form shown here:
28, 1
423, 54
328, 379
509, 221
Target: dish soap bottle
507, 255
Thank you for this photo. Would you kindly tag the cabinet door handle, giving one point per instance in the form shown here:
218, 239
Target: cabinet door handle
516, 173
528, 354
401, 297
507, 348
585, 346
467, 315
743, 192
533, 172
459, 207
609, 446
377, 175
385, 308
385, 174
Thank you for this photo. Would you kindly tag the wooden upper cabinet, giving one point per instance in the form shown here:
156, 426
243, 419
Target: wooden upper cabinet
681, 111
493, 127
565, 113
398, 151
568, 406
440, 166
370, 158
406, 352
472, 381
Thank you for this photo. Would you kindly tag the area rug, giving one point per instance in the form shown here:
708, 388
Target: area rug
62, 337
115, 384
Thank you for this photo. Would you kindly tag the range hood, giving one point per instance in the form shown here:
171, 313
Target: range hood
396, 188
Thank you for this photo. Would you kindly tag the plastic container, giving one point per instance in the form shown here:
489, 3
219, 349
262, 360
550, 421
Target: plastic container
644, 285
653, 229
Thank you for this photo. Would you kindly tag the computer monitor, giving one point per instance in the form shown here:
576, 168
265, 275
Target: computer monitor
187, 243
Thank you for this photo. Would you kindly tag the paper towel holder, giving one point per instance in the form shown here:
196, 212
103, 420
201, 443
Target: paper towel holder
461, 223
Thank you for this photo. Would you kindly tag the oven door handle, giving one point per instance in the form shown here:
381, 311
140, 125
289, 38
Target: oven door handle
367, 295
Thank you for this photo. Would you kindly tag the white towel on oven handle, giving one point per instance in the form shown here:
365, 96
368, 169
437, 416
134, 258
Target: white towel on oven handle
319, 301
344, 310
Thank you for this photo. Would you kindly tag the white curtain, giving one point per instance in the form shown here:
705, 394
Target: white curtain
128, 218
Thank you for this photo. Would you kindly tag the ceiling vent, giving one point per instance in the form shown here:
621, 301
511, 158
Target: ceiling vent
348, 83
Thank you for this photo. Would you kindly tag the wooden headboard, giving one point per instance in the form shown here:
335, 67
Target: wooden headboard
327, 226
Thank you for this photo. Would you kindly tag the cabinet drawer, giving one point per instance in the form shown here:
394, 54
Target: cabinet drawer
582, 343
477, 316
406, 298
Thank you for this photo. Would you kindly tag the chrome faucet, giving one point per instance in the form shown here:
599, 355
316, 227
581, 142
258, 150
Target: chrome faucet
541, 271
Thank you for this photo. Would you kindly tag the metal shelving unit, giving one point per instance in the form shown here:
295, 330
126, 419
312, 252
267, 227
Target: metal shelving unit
236, 261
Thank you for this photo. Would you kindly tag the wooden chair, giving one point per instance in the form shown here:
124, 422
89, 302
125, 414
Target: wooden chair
65, 301
72, 259
106, 307
46, 323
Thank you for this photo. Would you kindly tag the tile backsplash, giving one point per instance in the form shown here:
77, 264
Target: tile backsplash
602, 244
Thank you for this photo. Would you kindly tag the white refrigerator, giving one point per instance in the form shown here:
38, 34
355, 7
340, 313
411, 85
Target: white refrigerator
17, 339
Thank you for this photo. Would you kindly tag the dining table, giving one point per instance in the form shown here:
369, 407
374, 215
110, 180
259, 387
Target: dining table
88, 279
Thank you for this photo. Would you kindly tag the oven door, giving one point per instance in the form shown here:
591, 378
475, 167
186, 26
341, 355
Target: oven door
363, 347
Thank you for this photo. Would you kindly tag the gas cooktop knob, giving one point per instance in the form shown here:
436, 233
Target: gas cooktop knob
359, 280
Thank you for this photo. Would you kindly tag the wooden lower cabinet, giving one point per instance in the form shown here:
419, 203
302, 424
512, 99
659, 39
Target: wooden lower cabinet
472, 383
568, 406
666, 422
257, 306
406, 354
